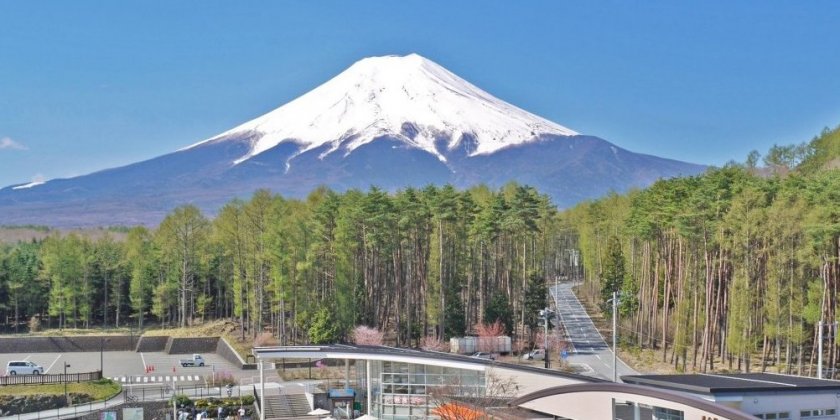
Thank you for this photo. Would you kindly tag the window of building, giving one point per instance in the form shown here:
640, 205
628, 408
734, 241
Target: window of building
825, 412
774, 416
631, 410
660, 413
412, 391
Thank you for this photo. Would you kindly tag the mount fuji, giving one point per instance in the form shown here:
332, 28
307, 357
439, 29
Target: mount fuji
392, 121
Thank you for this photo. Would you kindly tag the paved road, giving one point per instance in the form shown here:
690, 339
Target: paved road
589, 346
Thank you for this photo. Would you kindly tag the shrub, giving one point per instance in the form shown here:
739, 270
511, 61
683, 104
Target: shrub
34, 324
367, 336
432, 343
265, 339
183, 401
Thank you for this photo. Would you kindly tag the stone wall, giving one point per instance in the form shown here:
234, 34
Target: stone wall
14, 404
151, 410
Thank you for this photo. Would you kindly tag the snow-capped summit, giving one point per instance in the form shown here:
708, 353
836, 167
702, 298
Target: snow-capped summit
409, 98
393, 122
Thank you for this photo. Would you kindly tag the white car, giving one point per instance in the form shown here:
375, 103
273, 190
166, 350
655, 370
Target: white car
537, 354
23, 368
484, 355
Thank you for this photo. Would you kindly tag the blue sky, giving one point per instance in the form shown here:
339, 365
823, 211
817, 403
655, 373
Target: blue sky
87, 85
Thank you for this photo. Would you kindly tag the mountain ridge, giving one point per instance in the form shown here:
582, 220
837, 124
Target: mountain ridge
392, 122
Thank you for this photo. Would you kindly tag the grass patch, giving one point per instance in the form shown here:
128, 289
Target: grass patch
76, 332
98, 390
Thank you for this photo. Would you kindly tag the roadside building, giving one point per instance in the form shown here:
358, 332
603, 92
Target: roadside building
763, 395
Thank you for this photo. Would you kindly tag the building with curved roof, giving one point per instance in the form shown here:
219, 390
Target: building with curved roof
396, 383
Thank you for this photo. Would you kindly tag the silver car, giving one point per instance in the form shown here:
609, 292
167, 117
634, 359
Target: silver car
23, 368
484, 355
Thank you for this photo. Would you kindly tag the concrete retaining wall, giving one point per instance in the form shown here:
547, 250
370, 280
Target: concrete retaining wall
189, 345
225, 350
156, 343
67, 344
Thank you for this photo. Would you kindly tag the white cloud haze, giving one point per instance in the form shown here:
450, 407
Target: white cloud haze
6, 143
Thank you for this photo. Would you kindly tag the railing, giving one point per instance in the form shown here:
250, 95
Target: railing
257, 400
149, 393
50, 379
129, 397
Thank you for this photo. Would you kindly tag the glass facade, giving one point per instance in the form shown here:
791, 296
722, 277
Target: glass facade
630, 410
413, 391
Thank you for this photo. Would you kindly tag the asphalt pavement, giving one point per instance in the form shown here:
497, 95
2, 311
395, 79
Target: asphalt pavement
131, 368
588, 346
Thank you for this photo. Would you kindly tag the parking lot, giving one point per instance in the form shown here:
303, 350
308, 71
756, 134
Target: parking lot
132, 368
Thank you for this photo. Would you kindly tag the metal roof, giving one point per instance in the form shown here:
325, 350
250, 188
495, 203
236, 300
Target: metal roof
734, 383
394, 354
619, 388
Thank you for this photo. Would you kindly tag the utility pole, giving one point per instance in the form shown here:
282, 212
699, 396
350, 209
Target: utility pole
615, 334
545, 340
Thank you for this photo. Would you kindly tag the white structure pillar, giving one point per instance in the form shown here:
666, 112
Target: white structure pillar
346, 373
820, 354
369, 390
262, 392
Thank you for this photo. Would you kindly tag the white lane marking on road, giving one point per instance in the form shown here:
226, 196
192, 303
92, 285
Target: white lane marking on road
167, 379
53, 363
145, 379
597, 356
143, 358
27, 358
182, 378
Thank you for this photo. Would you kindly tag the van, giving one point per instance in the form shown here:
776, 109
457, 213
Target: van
23, 368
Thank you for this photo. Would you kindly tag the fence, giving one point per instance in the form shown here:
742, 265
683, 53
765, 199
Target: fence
132, 397
193, 391
59, 378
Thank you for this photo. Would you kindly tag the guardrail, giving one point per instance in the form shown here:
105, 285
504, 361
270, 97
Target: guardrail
50, 379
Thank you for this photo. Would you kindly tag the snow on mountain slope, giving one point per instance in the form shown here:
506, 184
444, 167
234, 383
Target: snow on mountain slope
409, 98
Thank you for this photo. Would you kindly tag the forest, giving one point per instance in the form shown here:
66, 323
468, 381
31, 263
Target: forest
420, 262
733, 269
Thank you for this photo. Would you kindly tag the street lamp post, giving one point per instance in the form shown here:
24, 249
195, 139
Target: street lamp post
66, 365
546, 315
102, 341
